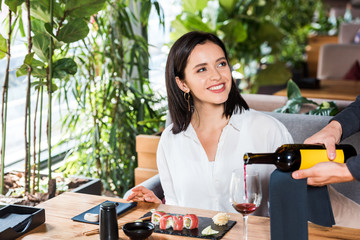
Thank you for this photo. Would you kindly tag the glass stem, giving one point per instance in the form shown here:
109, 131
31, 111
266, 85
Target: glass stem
245, 217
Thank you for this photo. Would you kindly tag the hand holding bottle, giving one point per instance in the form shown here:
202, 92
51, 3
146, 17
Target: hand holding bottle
329, 136
325, 173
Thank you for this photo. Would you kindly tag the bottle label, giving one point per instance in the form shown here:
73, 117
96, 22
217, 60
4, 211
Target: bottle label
310, 157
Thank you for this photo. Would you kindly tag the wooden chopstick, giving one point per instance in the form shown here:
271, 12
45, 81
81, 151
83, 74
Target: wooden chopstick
96, 230
91, 232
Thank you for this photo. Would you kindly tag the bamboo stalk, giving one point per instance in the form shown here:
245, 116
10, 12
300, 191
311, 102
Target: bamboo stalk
4, 107
40, 129
34, 154
27, 109
50, 72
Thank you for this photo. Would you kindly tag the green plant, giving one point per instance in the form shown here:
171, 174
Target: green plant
245, 30
296, 26
296, 101
52, 26
326, 23
114, 101
5, 46
262, 38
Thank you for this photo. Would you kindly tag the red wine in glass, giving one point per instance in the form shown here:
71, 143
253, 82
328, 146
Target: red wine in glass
245, 208
245, 194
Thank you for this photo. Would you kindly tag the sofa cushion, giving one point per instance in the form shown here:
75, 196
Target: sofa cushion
268, 103
335, 60
301, 126
347, 32
354, 72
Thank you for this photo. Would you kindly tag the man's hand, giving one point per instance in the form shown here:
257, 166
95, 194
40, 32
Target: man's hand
325, 173
329, 136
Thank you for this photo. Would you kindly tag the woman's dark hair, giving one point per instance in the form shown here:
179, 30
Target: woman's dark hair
175, 67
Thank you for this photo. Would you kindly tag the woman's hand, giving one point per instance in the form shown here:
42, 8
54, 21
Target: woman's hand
142, 194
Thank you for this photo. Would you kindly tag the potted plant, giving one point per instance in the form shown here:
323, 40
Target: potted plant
52, 27
296, 101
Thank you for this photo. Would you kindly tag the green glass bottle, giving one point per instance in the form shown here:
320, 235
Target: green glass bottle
291, 157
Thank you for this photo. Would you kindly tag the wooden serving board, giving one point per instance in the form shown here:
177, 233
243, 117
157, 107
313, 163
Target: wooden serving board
203, 223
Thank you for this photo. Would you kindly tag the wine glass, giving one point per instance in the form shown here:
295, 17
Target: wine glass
245, 194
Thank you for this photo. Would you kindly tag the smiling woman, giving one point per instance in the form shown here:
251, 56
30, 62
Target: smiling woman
210, 80
199, 150
199, 59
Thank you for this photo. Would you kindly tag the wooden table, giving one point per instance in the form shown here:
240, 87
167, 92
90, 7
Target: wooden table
61, 209
330, 89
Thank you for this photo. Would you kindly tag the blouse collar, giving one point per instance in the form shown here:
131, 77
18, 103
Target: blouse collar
235, 121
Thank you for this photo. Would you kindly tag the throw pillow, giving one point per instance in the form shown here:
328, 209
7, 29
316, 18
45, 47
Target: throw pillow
357, 37
354, 72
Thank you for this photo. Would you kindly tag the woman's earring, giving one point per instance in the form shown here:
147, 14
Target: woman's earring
187, 99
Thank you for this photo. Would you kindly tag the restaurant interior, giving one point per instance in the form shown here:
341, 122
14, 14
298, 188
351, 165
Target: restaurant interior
84, 108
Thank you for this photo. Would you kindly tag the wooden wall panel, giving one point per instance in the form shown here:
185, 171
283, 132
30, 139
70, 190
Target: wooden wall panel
146, 147
312, 51
142, 174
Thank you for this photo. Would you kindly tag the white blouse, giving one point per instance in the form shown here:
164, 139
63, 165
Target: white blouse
190, 180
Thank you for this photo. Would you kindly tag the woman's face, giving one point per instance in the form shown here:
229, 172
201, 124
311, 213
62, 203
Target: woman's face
207, 75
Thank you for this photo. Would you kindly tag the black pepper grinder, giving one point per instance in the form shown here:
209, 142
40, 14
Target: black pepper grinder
108, 222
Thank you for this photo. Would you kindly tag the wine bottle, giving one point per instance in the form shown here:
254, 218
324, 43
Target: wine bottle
291, 157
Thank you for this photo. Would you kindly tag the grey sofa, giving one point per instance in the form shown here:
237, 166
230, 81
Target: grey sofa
300, 127
268, 103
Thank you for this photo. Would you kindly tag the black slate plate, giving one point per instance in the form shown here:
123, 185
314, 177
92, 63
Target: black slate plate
203, 223
120, 209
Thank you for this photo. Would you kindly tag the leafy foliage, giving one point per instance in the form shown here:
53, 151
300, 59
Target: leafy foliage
3, 47
56, 24
296, 101
261, 36
103, 77
68, 27
296, 27
114, 101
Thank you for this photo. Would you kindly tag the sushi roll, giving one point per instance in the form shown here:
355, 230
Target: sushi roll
166, 222
191, 221
178, 223
155, 217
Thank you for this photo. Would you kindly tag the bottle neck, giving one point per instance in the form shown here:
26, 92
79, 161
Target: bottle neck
259, 158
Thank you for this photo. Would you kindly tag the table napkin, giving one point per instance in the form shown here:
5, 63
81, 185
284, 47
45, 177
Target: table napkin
293, 203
